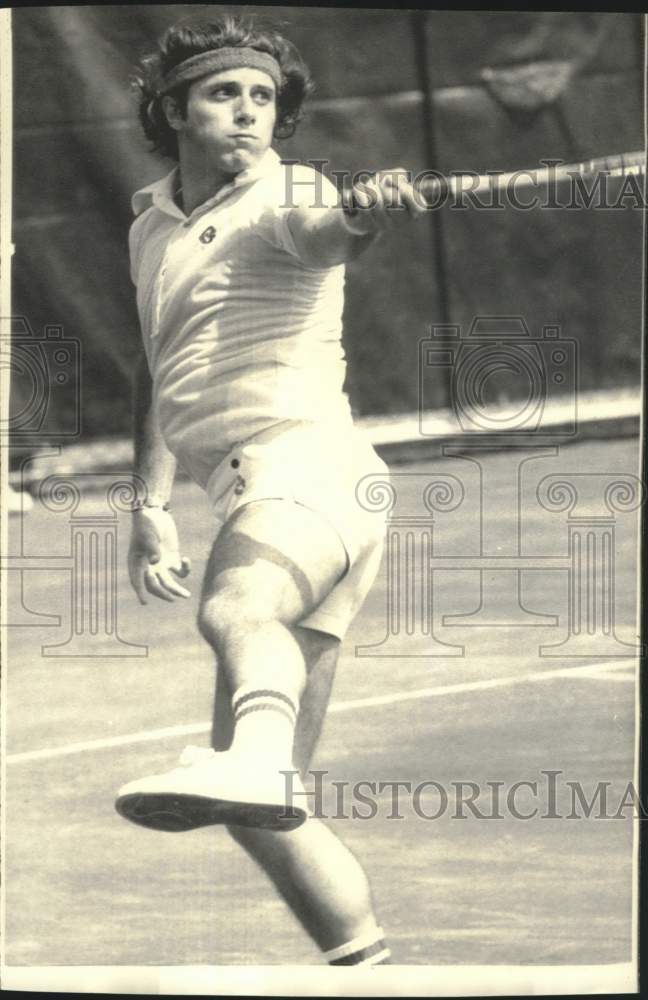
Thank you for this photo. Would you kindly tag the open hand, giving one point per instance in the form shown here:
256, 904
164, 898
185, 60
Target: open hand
154, 561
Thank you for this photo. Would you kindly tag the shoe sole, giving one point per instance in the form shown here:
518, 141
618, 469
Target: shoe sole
176, 813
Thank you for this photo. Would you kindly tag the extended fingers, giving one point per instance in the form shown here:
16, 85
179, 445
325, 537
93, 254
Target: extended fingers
136, 568
137, 583
161, 583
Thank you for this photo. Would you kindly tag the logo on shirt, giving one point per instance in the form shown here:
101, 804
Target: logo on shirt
208, 235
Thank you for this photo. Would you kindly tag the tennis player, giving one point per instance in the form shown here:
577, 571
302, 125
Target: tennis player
239, 263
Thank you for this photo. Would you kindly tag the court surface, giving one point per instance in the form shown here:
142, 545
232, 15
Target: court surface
83, 887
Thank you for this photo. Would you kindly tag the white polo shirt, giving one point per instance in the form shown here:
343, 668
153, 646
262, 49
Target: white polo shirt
238, 332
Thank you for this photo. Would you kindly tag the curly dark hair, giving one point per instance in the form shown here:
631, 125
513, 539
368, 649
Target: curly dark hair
183, 40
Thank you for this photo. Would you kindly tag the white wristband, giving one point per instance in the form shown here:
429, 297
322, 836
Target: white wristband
141, 504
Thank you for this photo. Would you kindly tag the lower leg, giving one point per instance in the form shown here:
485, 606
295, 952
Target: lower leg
319, 878
265, 672
272, 563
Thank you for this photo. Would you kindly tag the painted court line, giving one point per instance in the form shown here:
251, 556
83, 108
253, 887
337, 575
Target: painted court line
596, 671
611, 673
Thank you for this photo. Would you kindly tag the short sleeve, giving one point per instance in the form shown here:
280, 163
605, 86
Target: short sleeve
302, 187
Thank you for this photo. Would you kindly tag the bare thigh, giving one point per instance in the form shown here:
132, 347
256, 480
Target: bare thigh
273, 560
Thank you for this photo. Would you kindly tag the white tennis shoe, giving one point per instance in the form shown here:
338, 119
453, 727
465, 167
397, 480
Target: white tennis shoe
209, 788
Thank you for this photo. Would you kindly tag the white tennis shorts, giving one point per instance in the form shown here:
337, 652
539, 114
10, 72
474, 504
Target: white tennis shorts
322, 467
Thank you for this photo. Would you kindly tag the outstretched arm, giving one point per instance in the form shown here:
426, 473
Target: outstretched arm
154, 553
325, 237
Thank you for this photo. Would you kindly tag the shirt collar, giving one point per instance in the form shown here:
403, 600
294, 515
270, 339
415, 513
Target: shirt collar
160, 193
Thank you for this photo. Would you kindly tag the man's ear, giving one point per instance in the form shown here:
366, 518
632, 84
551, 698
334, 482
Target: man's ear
173, 114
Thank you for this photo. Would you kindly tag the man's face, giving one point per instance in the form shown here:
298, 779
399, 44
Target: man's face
230, 118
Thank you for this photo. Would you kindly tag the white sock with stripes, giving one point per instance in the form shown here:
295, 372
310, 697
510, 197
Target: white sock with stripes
264, 724
367, 949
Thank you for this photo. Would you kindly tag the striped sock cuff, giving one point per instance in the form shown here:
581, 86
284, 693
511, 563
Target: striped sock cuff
255, 700
368, 949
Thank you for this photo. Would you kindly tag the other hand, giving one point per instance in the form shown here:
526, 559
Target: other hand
154, 560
